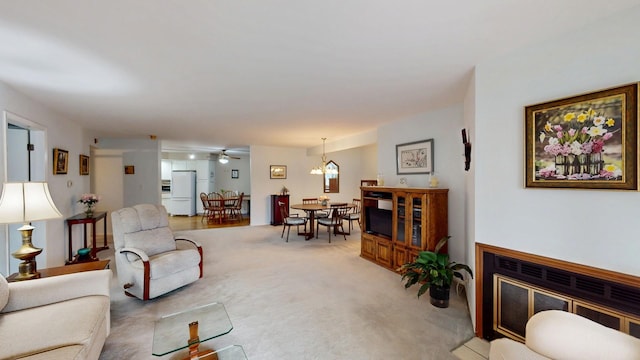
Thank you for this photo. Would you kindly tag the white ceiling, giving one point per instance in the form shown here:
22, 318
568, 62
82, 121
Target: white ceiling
224, 74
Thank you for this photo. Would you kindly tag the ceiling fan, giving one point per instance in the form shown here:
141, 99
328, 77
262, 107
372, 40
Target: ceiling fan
223, 158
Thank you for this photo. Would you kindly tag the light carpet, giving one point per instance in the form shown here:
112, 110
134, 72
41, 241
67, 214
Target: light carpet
295, 300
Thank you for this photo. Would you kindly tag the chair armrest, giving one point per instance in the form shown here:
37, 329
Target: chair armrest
139, 253
577, 337
198, 247
195, 243
49, 290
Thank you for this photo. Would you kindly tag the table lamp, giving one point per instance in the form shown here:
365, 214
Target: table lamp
23, 202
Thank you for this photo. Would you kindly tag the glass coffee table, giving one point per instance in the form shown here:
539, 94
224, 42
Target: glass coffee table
189, 328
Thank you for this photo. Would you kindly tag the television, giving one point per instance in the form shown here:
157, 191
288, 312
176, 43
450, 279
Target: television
378, 221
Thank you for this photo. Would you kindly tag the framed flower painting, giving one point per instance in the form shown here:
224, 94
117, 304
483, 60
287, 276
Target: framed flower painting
587, 141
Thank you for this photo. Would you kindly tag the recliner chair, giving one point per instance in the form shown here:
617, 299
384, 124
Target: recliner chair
149, 262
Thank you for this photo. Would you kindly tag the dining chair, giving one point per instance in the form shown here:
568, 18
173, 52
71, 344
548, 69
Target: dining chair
319, 214
216, 207
237, 207
205, 206
289, 220
354, 215
334, 221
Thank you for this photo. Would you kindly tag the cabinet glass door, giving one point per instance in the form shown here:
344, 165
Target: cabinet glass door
416, 221
401, 218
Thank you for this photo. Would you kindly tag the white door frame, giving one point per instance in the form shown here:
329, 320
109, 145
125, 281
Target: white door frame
39, 160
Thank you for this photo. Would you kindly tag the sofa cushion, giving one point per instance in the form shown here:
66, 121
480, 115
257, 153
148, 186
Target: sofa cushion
78, 321
4, 292
151, 242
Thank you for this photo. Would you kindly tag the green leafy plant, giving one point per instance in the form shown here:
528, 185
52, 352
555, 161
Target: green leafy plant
432, 268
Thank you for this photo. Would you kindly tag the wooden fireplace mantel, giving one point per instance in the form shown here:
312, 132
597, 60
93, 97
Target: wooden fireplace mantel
482, 249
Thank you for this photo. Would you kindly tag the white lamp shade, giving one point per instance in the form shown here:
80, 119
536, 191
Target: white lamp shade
25, 202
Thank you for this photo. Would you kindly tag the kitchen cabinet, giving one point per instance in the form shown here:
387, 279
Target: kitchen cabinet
165, 169
179, 165
205, 169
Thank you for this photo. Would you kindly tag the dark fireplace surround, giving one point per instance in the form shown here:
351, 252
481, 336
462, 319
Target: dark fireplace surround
613, 290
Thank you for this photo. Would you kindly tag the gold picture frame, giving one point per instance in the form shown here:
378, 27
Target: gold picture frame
84, 165
278, 171
60, 161
587, 141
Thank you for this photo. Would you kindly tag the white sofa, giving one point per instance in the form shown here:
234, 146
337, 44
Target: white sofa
59, 317
562, 335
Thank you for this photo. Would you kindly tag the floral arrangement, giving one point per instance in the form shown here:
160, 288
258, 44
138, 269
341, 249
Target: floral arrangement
323, 198
89, 199
585, 135
578, 134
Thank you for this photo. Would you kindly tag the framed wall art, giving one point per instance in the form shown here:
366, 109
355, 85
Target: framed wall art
129, 170
415, 157
584, 142
278, 171
60, 161
235, 173
84, 165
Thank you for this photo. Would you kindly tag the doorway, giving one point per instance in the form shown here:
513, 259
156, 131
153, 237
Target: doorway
25, 151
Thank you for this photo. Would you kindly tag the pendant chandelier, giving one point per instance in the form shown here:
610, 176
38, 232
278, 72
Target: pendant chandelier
320, 170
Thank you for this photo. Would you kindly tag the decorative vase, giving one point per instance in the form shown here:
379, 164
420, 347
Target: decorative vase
439, 295
83, 254
571, 164
89, 211
324, 202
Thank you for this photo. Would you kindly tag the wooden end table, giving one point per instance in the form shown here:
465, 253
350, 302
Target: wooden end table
67, 269
84, 220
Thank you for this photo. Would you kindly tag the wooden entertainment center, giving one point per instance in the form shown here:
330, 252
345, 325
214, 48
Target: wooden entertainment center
398, 223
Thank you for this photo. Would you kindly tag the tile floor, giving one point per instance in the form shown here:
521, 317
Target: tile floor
474, 349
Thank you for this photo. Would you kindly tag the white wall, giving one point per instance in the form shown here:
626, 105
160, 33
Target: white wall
444, 127
117, 189
143, 186
223, 178
593, 227
354, 164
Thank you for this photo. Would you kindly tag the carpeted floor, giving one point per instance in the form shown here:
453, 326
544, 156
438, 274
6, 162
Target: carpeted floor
296, 300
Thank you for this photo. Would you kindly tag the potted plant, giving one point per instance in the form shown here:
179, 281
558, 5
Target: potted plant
434, 271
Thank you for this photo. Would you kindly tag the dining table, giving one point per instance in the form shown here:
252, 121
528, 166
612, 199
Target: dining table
311, 209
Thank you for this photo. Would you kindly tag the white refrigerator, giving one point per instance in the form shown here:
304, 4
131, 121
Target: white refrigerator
183, 192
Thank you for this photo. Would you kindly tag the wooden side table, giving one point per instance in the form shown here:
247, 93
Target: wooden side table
68, 269
84, 219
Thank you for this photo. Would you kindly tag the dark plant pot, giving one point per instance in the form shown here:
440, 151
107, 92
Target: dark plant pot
439, 295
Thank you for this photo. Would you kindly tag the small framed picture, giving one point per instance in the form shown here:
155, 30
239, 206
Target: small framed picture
84, 165
278, 171
234, 174
415, 157
129, 170
60, 161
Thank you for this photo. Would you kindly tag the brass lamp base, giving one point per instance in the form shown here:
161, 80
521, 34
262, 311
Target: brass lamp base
27, 269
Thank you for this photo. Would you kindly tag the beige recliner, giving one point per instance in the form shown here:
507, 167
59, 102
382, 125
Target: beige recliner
149, 262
